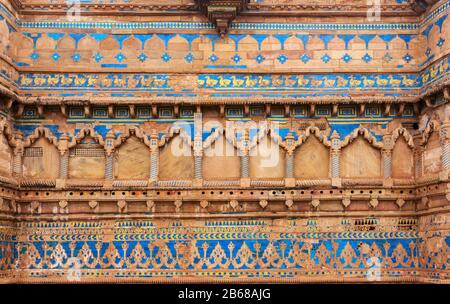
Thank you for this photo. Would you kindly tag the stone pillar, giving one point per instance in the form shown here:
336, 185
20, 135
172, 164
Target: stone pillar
386, 153
289, 165
63, 147
289, 181
64, 165
245, 166
154, 165
198, 167
335, 160
109, 166
290, 148
198, 149
418, 155
244, 153
109, 148
444, 137
387, 163
154, 156
17, 155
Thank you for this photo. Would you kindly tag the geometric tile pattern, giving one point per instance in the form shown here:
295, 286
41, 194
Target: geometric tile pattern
245, 249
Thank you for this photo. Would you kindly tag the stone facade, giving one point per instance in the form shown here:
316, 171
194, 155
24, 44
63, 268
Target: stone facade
288, 141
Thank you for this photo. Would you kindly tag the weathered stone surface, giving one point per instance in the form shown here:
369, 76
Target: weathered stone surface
133, 160
402, 160
360, 159
267, 160
44, 167
312, 160
432, 155
217, 165
176, 161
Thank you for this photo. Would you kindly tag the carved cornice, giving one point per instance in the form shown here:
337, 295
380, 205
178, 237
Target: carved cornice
294, 8
321, 10
150, 8
206, 100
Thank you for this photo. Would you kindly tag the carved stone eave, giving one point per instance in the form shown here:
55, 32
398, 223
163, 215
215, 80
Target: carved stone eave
156, 101
45, 7
412, 8
208, 100
427, 99
421, 6
221, 13
8, 92
321, 10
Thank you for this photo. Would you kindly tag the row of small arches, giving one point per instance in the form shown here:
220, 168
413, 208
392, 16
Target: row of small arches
132, 161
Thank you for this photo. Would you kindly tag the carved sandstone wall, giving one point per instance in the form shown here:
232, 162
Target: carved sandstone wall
338, 133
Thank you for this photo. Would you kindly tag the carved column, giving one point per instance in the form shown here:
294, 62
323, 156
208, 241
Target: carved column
244, 153
290, 164
64, 165
386, 153
154, 157
197, 165
17, 154
109, 166
444, 136
418, 155
245, 166
335, 160
198, 149
290, 179
63, 147
109, 147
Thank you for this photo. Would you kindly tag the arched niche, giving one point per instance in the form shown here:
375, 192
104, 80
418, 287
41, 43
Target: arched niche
402, 159
87, 43
221, 161
5, 157
66, 43
154, 44
249, 42
176, 160
432, 155
109, 44
87, 160
267, 160
360, 159
45, 43
178, 43
41, 160
131, 45
312, 160
132, 160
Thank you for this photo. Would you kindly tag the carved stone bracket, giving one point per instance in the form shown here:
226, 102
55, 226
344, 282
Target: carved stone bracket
221, 12
420, 6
